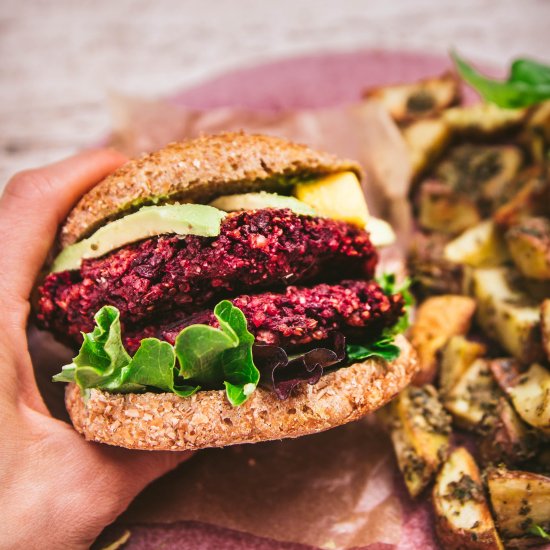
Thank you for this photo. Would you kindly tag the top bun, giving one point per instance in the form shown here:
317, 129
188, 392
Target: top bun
198, 171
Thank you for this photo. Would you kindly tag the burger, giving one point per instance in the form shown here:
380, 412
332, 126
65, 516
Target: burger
221, 291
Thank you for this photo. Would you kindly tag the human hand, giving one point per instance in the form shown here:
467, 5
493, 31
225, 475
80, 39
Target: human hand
58, 490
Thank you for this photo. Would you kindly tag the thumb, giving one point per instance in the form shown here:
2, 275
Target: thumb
130, 471
32, 206
146, 466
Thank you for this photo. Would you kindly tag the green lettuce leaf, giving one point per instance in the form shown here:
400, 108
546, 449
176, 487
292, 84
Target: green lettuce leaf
385, 347
102, 356
206, 357
241, 375
528, 83
199, 349
154, 366
202, 356
220, 356
389, 285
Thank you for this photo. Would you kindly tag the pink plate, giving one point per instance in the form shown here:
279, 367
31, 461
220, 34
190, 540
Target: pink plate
311, 81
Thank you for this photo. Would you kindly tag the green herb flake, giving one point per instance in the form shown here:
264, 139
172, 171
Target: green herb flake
538, 531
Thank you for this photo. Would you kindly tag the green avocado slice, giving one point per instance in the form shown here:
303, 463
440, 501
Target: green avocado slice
149, 221
255, 201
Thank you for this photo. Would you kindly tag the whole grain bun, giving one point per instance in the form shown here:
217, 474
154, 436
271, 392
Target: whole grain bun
198, 170
164, 421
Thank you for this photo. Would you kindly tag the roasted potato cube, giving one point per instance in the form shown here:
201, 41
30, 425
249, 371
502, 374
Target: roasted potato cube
538, 290
531, 397
420, 99
529, 245
481, 245
474, 398
545, 326
455, 358
506, 372
537, 131
529, 391
420, 430
506, 313
442, 209
437, 319
531, 197
508, 441
520, 500
432, 273
484, 120
462, 516
426, 139
481, 172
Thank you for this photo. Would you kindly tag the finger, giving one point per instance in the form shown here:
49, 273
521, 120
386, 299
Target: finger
33, 205
132, 471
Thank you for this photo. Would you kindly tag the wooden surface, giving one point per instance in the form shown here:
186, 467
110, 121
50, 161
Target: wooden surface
60, 59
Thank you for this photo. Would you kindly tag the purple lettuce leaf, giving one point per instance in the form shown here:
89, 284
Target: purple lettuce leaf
281, 374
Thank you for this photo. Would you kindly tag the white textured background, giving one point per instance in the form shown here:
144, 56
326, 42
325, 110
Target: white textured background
60, 58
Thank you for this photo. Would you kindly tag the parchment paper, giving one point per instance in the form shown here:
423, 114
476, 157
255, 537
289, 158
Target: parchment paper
332, 490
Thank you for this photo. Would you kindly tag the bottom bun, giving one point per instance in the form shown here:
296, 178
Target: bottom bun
164, 421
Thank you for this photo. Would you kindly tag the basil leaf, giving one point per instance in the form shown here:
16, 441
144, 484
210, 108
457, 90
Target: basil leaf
530, 72
529, 83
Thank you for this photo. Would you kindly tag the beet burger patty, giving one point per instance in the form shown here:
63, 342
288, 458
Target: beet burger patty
218, 282
149, 280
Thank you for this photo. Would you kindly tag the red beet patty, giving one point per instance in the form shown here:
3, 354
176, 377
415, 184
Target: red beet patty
153, 278
298, 315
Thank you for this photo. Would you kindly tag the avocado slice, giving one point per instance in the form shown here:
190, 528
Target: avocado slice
149, 221
256, 201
